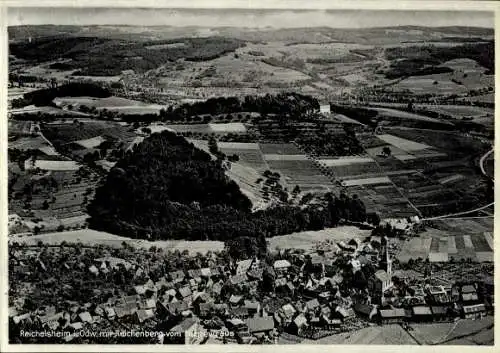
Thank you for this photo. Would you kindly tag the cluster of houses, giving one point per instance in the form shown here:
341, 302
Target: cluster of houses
252, 301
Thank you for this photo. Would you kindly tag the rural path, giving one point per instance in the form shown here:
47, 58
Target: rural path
40, 133
481, 162
463, 336
481, 165
459, 213
463, 134
409, 333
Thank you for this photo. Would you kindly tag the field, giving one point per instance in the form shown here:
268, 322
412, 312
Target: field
366, 181
485, 98
46, 110
285, 157
19, 128
353, 170
344, 161
112, 103
403, 144
384, 198
395, 152
450, 142
307, 240
459, 111
302, 173
91, 237
246, 178
194, 128
227, 127
66, 203
61, 134
452, 238
220, 128
393, 113
350, 166
279, 148
92, 142
421, 190
438, 332
425, 84
237, 73
28, 143
373, 335
158, 127
404, 153
249, 154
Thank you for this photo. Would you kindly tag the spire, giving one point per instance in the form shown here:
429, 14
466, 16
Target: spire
385, 261
388, 261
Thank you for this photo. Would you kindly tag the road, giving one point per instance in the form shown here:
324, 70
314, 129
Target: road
481, 165
481, 162
459, 213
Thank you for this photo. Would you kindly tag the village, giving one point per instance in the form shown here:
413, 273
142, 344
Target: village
90, 294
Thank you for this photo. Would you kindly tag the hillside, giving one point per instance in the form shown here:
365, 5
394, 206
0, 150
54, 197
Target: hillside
100, 56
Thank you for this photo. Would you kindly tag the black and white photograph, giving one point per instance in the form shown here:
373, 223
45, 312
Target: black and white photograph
249, 176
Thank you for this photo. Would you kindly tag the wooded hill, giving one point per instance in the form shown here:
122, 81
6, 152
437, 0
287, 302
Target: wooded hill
168, 189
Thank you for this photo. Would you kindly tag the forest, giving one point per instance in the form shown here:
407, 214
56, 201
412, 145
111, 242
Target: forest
168, 189
287, 103
331, 144
44, 97
95, 56
416, 58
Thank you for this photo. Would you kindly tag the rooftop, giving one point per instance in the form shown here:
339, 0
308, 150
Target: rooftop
260, 324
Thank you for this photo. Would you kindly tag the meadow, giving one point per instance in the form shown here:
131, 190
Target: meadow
91, 237
452, 240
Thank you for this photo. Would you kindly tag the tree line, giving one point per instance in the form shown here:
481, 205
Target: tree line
288, 103
45, 97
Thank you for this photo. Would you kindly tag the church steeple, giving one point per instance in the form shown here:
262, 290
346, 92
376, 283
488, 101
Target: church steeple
388, 262
385, 261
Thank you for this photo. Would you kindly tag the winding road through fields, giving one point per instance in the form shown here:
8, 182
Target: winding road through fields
481, 162
481, 165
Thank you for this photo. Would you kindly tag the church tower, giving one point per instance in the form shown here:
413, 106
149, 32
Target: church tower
388, 262
385, 261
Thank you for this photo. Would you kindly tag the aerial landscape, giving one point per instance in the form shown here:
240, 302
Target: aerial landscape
185, 180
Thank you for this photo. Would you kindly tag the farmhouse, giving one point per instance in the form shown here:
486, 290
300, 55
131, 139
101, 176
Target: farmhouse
245, 265
324, 109
298, 324
474, 311
281, 266
392, 316
468, 293
366, 311
260, 325
440, 313
189, 331
31, 163
421, 313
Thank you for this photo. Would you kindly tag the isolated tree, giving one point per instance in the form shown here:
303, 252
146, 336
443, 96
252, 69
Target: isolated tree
386, 151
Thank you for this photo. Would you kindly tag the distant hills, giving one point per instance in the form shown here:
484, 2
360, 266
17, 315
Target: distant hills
375, 35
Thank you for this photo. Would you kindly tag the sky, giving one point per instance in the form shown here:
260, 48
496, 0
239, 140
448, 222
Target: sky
258, 18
